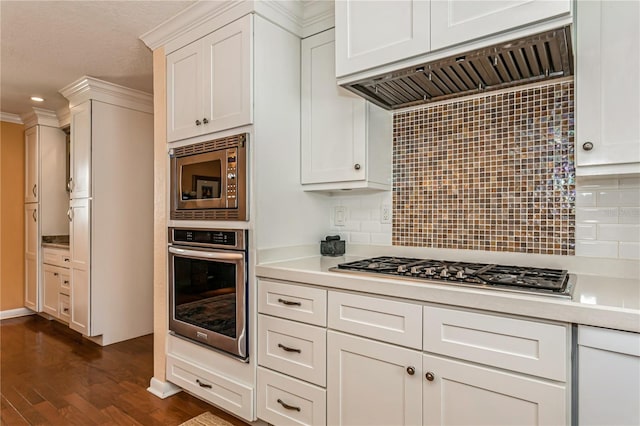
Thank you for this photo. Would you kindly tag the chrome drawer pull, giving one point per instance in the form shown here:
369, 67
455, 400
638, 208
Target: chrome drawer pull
203, 385
287, 406
289, 303
288, 349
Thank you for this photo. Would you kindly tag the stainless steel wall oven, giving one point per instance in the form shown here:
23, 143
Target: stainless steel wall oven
208, 287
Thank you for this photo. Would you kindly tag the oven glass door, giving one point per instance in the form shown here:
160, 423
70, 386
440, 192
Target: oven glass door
202, 181
207, 297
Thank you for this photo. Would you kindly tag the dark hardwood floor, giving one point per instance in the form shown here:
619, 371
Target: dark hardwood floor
50, 375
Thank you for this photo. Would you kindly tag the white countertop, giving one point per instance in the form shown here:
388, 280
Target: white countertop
597, 300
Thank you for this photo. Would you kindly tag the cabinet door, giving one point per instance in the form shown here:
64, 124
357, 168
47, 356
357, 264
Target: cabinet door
458, 21
370, 33
607, 84
50, 289
333, 119
468, 394
31, 167
80, 173
370, 383
80, 245
32, 257
227, 87
184, 92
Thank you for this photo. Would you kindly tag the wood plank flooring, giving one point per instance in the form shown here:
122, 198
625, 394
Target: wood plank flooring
50, 375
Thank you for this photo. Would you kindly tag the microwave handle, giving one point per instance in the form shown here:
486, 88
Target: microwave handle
206, 254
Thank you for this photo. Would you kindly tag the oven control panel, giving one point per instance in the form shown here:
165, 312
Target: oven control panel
227, 238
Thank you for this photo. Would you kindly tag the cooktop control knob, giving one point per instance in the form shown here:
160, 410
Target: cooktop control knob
444, 273
402, 269
461, 275
415, 270
429, 272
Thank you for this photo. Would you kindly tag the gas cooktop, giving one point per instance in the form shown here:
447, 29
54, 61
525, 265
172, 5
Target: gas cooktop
551, 282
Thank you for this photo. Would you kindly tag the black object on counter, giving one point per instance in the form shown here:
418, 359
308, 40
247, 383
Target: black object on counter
332, 246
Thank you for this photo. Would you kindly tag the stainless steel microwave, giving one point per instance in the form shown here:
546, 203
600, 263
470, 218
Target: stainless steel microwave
209, 180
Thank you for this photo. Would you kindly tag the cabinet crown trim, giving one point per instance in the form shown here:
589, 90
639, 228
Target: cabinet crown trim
91, 88
43, 117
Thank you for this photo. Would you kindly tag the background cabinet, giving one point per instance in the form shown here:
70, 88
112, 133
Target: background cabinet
31, 256
80, 161
346, 141
80, 245
56, 283
209, 82
607, 87
31, 165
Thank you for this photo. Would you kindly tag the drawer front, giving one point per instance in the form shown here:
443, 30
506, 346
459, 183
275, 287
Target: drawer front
284, 400
64, 311
529, 347
399, 323
293, 302
58, 257
293, 348
212, 387
65, 282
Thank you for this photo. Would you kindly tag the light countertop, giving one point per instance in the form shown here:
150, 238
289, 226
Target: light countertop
597, 300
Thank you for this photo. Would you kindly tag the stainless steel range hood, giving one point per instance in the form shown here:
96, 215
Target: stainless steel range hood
538, 57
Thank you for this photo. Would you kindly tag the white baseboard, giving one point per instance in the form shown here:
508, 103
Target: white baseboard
14, 313
162, 389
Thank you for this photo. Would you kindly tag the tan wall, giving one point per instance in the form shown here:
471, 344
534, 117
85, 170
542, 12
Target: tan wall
11, 216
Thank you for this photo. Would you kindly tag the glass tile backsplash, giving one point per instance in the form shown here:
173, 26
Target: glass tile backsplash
487, 173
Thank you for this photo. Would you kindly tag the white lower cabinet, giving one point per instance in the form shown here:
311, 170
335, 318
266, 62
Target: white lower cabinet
56, 279
608, 377
372, 383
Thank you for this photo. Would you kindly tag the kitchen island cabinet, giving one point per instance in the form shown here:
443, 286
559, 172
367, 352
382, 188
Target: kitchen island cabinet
345, 141
607, 87
209, 82
608, 377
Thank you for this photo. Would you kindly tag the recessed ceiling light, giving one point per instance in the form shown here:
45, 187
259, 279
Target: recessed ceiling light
37, 99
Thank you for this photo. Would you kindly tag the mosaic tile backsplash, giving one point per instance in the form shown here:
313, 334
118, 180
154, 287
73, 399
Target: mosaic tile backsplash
488, 173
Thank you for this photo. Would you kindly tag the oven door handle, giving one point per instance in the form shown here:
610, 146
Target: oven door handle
206, 254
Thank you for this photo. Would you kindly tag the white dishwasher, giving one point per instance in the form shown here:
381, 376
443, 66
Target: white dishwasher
608, 377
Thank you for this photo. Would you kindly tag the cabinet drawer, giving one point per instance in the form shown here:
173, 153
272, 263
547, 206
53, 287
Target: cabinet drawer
58, 257
529, 347
293, 348
381, 319
293, 302
65, 282
210, 386
64, 311
284, 400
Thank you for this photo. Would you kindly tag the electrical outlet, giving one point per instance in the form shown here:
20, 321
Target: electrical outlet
339, 215
385, 214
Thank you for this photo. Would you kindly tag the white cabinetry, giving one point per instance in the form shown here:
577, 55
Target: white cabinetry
111, 211
56, 283
291, 355
31, 165
209, 82
31, 256
371, 34
459, 21
607, 87
346, 141
608, 377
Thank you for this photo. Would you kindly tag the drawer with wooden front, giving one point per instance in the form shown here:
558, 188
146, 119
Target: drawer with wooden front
56, 256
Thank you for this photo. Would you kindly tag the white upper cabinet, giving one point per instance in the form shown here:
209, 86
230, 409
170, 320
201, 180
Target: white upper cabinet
31, 165
346, 141
458, 21
80, 168
209, 83
373, 32
607, 87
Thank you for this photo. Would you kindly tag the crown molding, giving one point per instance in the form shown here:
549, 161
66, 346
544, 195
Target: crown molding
40, 116
91, 88
64, 115
319, 15
10, 118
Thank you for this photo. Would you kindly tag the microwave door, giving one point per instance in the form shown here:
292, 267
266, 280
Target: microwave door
201, 181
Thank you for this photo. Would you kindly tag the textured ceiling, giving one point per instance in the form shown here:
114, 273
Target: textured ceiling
46, 45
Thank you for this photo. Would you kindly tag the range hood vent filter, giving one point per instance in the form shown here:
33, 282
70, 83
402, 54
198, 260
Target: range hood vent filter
536, 58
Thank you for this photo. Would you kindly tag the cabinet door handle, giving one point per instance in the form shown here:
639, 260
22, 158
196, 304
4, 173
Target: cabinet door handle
66, 281
55, 274
287, 406
34, 216
70, 184
70, 214
34, 189
587, 146
203, 385
205, 121
289, 303
411, 371
65, 310
66, 259
198, 122
288, 349
356, 166
430, 376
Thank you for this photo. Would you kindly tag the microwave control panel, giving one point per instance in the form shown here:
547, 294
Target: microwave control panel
232, 161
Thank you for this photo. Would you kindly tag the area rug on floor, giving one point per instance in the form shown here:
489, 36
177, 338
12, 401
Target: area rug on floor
206, 419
